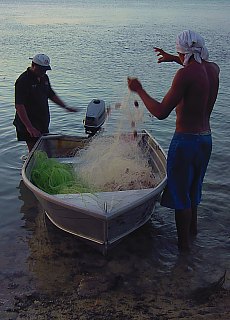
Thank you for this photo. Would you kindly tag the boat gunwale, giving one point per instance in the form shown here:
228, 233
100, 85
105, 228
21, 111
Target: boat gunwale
64, 204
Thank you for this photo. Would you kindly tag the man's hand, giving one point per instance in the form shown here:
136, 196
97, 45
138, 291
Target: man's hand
134, 84
33, 132
163, 56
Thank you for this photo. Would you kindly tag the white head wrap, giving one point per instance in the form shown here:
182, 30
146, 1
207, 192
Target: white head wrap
191, 43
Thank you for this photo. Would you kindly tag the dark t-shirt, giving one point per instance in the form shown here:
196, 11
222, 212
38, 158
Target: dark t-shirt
34, 95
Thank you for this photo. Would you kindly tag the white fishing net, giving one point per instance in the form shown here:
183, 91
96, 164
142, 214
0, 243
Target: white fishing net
112, 163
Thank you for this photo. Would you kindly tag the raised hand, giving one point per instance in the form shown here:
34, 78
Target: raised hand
163, 56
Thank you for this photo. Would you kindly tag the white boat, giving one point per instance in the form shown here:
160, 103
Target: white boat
103, 218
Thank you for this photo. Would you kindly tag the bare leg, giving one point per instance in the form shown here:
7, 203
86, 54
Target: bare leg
193, 226
183, 222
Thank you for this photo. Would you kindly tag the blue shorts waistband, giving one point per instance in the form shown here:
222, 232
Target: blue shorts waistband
203, 133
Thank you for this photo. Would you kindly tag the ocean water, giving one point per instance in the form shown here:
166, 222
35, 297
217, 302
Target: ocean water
94, 46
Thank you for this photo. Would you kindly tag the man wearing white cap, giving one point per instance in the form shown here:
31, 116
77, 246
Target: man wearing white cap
32, 91
192, 94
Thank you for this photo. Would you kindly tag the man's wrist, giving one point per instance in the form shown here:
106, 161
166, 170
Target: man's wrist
139, 91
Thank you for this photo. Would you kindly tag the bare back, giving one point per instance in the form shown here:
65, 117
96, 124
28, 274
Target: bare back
200, 88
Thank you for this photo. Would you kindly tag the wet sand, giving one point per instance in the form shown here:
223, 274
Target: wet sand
113, 305
113, 296
62, 278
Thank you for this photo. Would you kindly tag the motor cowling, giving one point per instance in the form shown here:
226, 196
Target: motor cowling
95, 116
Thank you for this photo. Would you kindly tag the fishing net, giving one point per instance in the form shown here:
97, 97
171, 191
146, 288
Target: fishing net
108, 163
115, 163
54, 177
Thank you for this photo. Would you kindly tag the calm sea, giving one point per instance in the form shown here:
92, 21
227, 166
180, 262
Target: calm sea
94, 46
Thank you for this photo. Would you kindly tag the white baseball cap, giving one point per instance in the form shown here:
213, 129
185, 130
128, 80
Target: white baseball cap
42, 60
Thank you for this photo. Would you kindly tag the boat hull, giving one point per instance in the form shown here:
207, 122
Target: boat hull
101, 219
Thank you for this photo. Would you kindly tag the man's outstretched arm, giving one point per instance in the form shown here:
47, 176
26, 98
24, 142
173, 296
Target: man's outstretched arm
166, 57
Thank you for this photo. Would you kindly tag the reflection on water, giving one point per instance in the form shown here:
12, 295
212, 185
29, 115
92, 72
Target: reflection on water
61, 261
44, 245
29, 208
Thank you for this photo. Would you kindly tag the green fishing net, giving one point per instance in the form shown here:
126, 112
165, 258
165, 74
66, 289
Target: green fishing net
54, 177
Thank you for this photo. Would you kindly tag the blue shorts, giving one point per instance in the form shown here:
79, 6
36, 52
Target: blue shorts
187, 161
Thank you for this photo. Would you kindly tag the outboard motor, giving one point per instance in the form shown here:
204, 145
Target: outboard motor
95, 116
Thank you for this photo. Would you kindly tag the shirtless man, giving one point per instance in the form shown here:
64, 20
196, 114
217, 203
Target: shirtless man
193, 93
